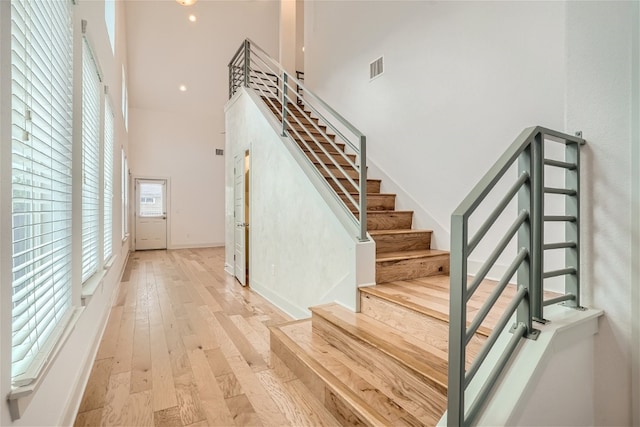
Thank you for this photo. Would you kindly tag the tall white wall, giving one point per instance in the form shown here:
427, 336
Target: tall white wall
461, 80
175, 134
599, 102
181, 147
57, 397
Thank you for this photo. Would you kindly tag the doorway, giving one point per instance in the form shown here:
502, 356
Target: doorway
241, 170
151, 214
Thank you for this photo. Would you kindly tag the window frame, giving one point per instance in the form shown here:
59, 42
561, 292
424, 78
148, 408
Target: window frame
58, 133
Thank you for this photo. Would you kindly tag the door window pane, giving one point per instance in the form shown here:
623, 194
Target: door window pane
151, 200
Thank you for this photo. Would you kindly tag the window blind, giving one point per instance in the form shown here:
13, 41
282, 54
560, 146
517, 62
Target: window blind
109, 133
41, 108
91, 87
125, 196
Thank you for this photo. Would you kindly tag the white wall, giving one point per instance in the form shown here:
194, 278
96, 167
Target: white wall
461, 81
467, 77
181, 147
635, 215
300, 253
599, 90
287, 57
175, 134
56, 399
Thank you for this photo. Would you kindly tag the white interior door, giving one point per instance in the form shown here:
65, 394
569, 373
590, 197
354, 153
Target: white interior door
151, 214
240, 262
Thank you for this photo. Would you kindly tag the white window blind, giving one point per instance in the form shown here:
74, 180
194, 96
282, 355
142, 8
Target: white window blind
109, 133
41, 108
125, 196
91, 87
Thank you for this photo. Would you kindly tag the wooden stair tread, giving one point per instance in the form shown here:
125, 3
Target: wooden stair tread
430, 296
382, 398
387, 212
399, 296
417, 355
319, 364
374, 233
412, 254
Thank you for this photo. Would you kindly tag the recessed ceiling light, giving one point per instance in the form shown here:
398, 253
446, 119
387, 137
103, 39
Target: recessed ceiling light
182, 88
187, 2
193, 18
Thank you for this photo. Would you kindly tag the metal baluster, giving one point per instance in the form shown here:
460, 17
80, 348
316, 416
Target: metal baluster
363, 188
247, 58
457, 320
526, 238
537, 229
284, 103
572, 228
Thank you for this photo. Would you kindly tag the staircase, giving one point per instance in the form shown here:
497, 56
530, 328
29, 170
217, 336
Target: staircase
386, 365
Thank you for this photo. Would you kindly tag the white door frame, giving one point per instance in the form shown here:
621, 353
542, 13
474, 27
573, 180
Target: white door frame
240, 222
133, 203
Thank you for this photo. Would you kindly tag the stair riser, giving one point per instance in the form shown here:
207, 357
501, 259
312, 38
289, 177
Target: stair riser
310, 379
417, 240
335, 404
407, 269
433, 331
331, 148
404, 381
376, 202
337, 173
299, 132
381, 202
339, 158
389, 220
373, 186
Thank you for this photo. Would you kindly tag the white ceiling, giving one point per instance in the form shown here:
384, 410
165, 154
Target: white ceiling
166, 50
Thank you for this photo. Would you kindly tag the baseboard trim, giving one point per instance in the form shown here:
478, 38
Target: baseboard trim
195, 245
282, 303
73, 405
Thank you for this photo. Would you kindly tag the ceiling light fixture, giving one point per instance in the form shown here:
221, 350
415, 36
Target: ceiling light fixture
182, 88
193, 18
187, 2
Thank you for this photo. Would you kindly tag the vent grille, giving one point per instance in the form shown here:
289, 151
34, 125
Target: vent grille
376, 68
219, 152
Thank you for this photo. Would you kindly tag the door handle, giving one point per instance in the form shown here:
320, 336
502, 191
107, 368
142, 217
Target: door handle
242, 224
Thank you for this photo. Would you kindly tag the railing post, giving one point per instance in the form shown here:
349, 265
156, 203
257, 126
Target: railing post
536, 287
363, 188
284, 103
525, 235
247, 59
230, 81
457, 321
572, 229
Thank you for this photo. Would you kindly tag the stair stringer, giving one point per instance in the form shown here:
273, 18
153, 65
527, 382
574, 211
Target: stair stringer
318, 223
323, 187
549, 381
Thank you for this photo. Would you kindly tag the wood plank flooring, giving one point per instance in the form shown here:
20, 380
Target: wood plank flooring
186, 345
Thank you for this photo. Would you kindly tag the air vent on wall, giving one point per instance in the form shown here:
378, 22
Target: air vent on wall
219, 152
376, 68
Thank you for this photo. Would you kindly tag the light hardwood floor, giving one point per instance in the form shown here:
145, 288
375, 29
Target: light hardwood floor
186, 345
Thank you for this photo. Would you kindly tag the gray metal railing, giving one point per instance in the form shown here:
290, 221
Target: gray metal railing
528, 152
312, 124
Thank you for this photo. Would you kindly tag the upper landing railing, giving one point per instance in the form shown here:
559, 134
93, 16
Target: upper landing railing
528, 152
345, 169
